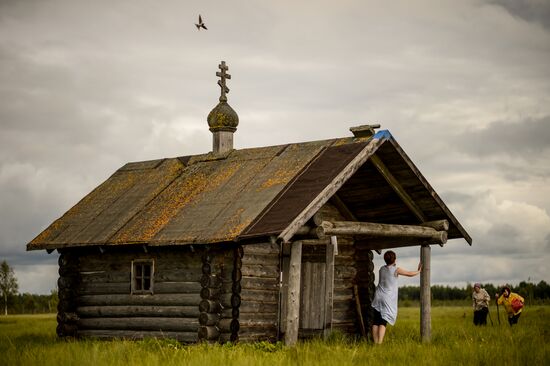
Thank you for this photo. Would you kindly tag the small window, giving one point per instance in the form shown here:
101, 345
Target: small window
142, 276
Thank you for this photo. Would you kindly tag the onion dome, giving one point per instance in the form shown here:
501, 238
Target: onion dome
223, 117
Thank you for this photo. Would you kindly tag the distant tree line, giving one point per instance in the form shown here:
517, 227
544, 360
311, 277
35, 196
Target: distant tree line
32, 303
530, 291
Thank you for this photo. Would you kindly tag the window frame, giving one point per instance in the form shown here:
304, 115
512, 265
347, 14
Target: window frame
142, 262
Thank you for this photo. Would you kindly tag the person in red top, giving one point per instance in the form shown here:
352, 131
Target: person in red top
513, 304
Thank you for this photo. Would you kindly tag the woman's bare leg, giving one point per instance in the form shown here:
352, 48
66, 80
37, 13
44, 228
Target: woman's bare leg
381, 333
375, 334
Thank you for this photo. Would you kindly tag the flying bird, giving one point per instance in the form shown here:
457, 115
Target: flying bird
201, 24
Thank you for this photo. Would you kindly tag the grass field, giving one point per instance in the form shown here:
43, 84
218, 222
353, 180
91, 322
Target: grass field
31, 340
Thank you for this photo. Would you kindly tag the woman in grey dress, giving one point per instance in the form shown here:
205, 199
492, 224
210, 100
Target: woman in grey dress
385, 298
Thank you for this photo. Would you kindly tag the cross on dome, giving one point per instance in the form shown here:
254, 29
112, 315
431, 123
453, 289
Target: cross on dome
223, 76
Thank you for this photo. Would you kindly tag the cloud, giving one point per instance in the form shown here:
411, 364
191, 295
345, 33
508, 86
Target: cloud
84, 88
37, 279
525, 139
537, 11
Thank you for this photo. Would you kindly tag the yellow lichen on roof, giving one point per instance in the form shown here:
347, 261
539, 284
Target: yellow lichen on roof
342, 141
238, 229
233, 226
47, 234
183, 192
223, 175
281, 176
159, 213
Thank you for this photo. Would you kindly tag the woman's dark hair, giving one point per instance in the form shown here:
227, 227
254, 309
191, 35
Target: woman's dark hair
506, 288
389, 257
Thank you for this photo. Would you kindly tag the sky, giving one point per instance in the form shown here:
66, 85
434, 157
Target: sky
463, 86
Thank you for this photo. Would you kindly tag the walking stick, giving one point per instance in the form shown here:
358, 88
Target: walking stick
490, 317
359, 312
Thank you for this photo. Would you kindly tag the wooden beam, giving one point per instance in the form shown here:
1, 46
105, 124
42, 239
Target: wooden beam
439, 225
293, 304
425, 295
396, 186
329, 285
140, 323
338, 181
428, 234
380, 244
140, 334
342, 207
305, 230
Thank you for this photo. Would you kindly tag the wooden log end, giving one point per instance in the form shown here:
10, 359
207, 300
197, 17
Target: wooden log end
209, 333
236, 287
237, 275
235, 300
443, 236
211, 281
239, 251
208, 319
439, 225
320, 232
210, 293
210, 306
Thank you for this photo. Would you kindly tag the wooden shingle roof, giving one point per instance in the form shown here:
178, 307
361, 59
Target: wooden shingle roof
245, 193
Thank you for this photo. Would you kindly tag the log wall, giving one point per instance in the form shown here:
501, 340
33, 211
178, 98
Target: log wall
220, 294
105, 308
67, 284
259, 309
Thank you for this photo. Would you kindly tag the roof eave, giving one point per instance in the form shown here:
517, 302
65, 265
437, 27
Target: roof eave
375, 142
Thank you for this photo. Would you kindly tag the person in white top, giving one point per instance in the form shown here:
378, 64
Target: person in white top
385, 298
480, 299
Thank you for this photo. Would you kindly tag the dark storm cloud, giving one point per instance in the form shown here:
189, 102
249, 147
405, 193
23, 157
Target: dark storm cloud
516, 151
523, 139
537, 11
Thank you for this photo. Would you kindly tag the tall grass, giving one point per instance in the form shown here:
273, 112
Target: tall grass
31, 340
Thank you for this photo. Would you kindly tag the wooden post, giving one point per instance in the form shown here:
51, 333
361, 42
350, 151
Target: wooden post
425, 295
285, 266
329, 284
293, 305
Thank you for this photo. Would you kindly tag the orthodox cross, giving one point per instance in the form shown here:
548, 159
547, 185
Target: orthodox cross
223, 75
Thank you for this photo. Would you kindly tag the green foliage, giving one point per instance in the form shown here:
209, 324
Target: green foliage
33, 304
8, 284
31, 340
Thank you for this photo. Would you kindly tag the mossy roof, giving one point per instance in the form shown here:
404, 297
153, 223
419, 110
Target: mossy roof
204, 199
